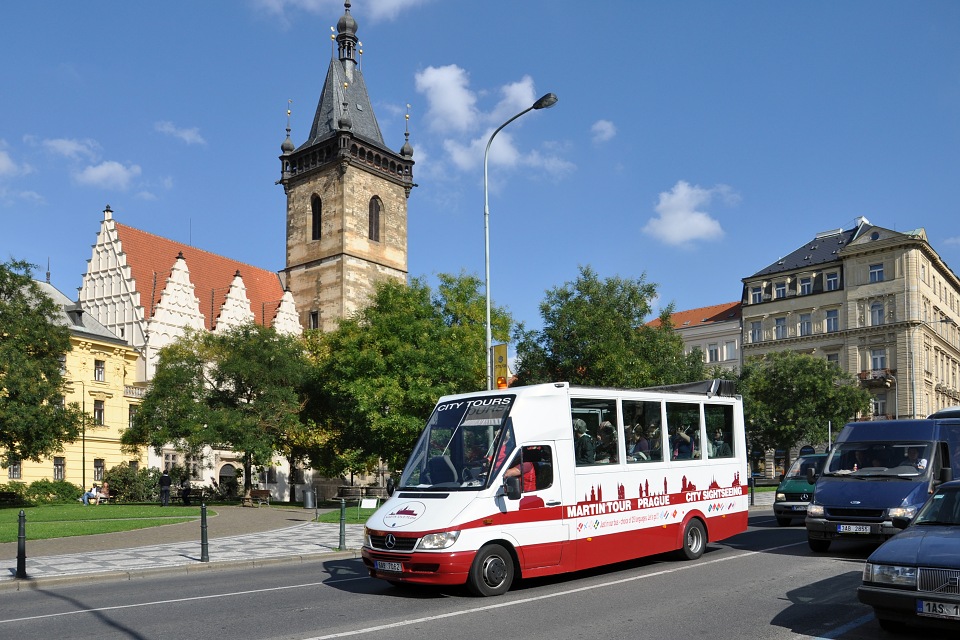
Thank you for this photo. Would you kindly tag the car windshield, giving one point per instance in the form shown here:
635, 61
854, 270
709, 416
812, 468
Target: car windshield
460, 443
900, 458
798, 470
943, 507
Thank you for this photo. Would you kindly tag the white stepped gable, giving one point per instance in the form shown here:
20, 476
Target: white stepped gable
236, 309
177, 310
287, 321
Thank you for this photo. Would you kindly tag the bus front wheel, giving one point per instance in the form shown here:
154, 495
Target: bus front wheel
492, 571
694, 540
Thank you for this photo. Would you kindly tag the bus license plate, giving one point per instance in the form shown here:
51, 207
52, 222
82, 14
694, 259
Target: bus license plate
938, 609
853, 528
393, 567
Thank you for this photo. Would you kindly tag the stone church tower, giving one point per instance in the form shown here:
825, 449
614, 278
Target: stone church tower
346, 197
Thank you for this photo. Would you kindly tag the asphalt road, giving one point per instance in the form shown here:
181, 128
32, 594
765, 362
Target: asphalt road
764, 583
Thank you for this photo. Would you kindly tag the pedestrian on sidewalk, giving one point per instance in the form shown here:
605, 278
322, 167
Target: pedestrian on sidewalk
185, 491
165, 483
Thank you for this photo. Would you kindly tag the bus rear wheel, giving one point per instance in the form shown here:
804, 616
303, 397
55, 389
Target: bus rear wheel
694, 540
492, 571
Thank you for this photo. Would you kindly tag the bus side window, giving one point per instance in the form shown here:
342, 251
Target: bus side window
534, 465
641, 421
719, 418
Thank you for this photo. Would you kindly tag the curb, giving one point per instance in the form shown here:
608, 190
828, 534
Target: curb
181, 569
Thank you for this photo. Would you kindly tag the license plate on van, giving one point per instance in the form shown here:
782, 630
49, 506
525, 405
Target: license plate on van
853, 528
392, 567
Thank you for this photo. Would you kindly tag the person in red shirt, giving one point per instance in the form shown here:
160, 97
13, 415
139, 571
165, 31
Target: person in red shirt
529, 474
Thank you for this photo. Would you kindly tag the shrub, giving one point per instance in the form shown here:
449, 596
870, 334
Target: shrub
16, 487
133, 486
52, 491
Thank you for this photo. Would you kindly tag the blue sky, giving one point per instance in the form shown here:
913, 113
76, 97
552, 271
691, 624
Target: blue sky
695, 142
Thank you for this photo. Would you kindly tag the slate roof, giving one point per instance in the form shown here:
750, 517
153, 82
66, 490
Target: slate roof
326, 122
726, 312
211, 275
75, 319
822, 249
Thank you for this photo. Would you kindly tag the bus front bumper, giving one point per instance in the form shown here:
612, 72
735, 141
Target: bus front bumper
418, 568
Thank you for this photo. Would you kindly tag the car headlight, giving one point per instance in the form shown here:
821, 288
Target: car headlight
366, 537
815, 510
781, 497
893, 575
902, 512
438, 540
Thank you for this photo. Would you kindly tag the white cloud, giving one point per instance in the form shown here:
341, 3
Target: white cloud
517, 96
602, 131
678, 221
10, 168
72, 148
108, 175
451, 106
952, 240
190, 136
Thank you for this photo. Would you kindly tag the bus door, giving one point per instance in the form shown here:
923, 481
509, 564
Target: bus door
536, 519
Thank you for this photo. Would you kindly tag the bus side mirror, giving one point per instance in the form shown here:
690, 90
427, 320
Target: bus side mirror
946, 474
391, 486
511, 487
811, 475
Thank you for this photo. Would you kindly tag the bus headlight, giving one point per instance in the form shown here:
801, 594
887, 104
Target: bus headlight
441, 540
815, 510
893, 575
902, 512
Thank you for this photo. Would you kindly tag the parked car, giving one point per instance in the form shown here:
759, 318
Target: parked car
795, 490
914, 577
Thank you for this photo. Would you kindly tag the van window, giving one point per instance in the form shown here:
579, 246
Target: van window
534, 464
641, 424
719, 419
683, 430
900, 458
595, 424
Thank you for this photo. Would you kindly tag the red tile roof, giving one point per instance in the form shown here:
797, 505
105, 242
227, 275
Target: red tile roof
149, 255
725, 312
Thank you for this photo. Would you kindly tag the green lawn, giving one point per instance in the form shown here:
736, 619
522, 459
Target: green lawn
353, 515
66, 520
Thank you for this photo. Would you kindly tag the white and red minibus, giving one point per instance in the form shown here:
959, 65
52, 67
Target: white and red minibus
550, 478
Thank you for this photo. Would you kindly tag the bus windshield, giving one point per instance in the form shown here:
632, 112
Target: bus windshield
893, 458
460, 443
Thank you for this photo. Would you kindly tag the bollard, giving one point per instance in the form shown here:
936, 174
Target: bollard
204, 551
22, 546
343, 525
752, 484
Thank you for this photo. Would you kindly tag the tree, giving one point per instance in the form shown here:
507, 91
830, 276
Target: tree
594, 333
789, 398
34, 422
377, 377
240, 390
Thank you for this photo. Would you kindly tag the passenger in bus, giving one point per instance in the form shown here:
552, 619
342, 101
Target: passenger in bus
641, 446
681, 443
584, 448
720, 447
606, 450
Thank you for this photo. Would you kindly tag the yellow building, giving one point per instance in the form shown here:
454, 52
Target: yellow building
100, 369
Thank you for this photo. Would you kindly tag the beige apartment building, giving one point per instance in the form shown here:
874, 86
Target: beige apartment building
882, 304
716, 330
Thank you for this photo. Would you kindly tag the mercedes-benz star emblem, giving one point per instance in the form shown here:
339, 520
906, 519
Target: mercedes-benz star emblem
390, 542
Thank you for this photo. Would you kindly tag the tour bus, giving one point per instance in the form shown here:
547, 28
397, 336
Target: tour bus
545, 479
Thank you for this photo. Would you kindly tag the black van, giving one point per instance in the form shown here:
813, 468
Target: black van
880, 470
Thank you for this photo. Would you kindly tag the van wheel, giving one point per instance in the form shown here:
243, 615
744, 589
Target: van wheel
784, 522
818, 545
492, 571
694, 540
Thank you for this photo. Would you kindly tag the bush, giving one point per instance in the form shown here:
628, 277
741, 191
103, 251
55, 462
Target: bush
50, 492
128, 485
16, 487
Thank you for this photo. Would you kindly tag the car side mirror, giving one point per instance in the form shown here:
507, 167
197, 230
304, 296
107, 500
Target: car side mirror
811, 476
391, 486
511, 487
900, 523
782, 476
946, 474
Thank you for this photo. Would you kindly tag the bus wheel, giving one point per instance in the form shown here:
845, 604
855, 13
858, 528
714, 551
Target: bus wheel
694, 540
492, 571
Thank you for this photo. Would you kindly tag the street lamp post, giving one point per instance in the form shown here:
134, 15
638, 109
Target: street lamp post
83, 434
548, 100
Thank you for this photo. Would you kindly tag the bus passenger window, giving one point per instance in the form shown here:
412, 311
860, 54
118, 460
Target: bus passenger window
719, 430
683, 428
641, 420
594, 430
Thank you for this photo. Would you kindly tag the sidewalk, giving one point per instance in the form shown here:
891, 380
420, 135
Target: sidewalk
236, 536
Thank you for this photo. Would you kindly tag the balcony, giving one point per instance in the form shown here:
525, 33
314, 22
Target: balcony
130, 391
876, 378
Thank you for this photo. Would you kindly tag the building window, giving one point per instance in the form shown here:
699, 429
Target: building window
99, 370
806, 286
880, 404
713, 352
59, 468
98, 412
98, 464
876, 313
806, 324
833, 320
780, 328
834, 358
193, 465
314, 320
14, 471
170, 460
833, 281
730, 350
756, 332
134, 465
375, 207
756, 295
878, 359
268, 475
316, 209
780, 290
876, 273
296, 475
131, 415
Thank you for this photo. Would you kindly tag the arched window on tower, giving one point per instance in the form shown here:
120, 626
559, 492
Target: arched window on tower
316, 209
374, 228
